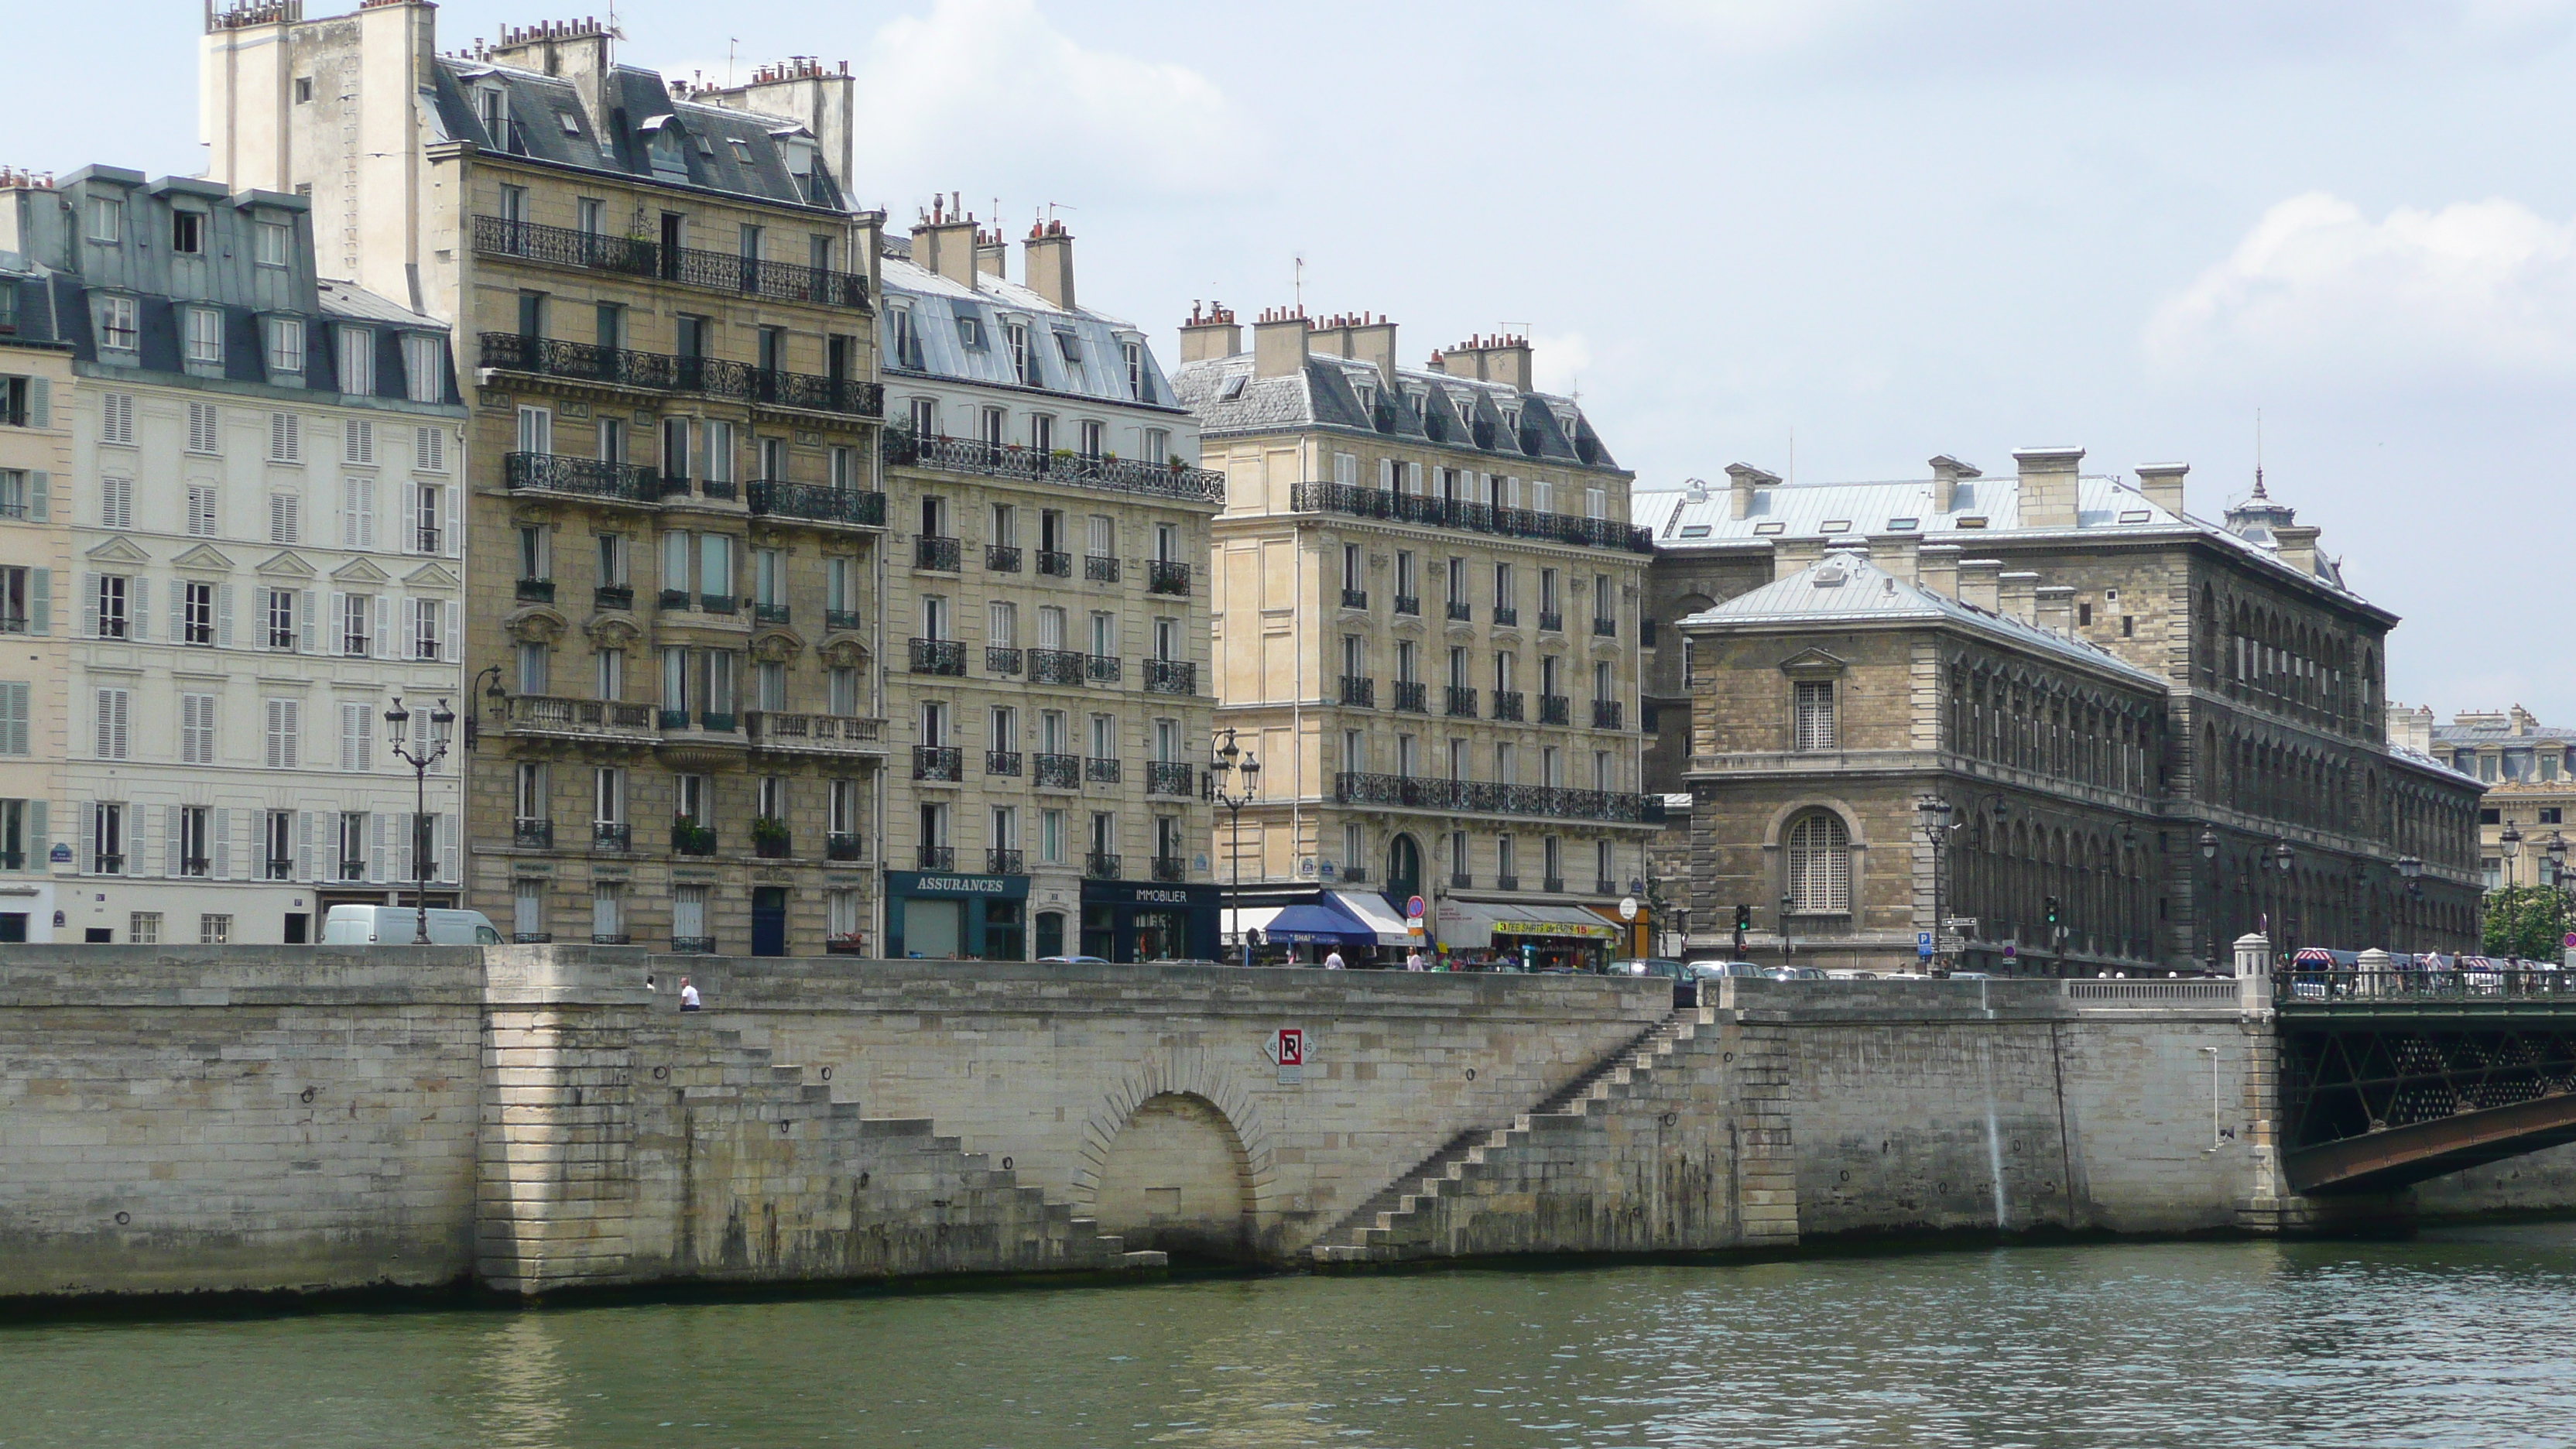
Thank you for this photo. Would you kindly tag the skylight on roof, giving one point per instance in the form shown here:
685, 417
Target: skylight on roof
1696, 530
2136, 515
1972, 520
1233, 387
1903, 525
1769, 527
571, 122
1834, 525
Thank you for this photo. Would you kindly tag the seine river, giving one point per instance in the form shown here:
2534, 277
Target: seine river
2457, 1338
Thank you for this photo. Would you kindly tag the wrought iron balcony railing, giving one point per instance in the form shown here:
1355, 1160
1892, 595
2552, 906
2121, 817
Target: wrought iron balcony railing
818, 503
1167, 576
580, 477
965, 455
1607, 714
1100, 568
1555, 709
1507, 616
844, 846
1507, 705
613, 596
1002, 558
1552, 884
1412, 696
1055, 666
842, 619
1363, 502
663, 372
1462, 612
1058, 772
1354, 598
1551, 621
689, 839
1408, 604
693, 945
1461, 702
770, 613
1171, 676
939, 656
1002, 762
1168, 777
1000, 660
614, 835
934, 551
1001, 861
1101, 668
935, 857
1605, 628
532, 834
1359, 693
1055, 563
1506, 881
1603, 885
1100, 771
1101, 865
634, 257
1171, 868
775, 846
942, 763
1487, 797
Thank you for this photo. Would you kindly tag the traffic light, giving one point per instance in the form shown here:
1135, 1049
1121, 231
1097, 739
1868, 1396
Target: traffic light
1744, 918
2052, 912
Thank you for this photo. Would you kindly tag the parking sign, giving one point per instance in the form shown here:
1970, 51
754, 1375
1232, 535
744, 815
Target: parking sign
1291, 1048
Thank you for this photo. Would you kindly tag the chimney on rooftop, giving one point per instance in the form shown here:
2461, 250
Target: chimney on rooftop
1489, 359
1936, 567
1279, 342
1742, 481
2161, 484
1794, 555
2053, 609
1046, 262
1946, 473
2410, 727
944, 243
992, 255
1981, 583
1897, 553
2017, 591
802, 89
1210, 333
2524, 721
2048, 486
2298, 545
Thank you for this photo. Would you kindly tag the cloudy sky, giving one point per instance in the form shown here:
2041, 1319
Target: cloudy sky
1832, 237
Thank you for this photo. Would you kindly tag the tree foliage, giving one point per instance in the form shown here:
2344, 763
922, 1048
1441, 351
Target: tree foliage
2527, 921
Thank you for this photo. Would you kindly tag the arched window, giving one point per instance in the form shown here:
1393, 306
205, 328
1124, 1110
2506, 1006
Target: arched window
1819, 865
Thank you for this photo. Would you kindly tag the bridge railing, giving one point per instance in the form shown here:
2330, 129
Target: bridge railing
2309, 986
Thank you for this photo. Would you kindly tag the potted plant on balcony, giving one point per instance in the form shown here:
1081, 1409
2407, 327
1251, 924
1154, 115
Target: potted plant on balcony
769, 837
851, 944
688, 837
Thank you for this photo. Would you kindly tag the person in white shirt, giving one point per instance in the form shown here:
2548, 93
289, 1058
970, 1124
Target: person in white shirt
1333, 961
688, 995
1413, 959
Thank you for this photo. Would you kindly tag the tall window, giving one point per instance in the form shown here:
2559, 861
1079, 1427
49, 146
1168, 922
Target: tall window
286, 344
1819, 865
357, 361
1815, 715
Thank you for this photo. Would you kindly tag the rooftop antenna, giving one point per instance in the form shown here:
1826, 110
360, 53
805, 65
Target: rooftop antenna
1301, 285
2258, 454
730, 42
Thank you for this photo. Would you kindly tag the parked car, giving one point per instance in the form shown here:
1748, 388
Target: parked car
1699, 971
361, 925
1851, 976
1795, 973
1073, 960
1685, 993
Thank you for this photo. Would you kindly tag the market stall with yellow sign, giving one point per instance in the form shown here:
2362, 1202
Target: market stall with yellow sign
1526, 933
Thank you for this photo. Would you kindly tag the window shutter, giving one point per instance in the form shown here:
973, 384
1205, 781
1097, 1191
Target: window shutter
88, 840
138, 606
106, 742
349, 736
385, 647
170, 841
277, 734
14, 704
376, 824
40, 599
121, 720
304, 845
178, 611
40, 401
222, 864
406, 832
410, 519
310, 623
452, 638
224, 616
39, 496
89, 606
38, 843
447, 863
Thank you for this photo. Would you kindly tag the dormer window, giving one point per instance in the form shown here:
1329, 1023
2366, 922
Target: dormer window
492, 108
106, 219
664, 150
187, 232
116, 324
276, 243
570, 122
970, 332
1135, 356
1233, 387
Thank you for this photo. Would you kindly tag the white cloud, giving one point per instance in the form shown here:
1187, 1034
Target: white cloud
2317, 294
988, 96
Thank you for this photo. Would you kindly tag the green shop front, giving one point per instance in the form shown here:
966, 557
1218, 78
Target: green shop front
1129, 921
942, 916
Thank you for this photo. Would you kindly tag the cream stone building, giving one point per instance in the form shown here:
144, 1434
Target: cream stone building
1049, 700
35, 570
2528, 770
672, 505
258, 459
1428, 616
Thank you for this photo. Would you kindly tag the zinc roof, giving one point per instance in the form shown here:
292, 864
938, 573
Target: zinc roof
941, 349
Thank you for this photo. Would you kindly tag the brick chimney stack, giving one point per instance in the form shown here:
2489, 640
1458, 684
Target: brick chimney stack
943, 241
1210, 333
1046, 263
1279, 342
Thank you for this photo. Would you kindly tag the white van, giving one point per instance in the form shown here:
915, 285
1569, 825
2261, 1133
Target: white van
400, 926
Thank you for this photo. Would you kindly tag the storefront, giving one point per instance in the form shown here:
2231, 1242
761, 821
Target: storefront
1518, 933
1125, 921
933, 916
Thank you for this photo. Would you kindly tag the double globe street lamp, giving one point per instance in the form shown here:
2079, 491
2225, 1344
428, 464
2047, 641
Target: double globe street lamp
427, 752
1230, 764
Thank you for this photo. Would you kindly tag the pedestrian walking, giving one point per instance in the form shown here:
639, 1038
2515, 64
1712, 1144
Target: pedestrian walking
688, 995
1413, 959
1333, 961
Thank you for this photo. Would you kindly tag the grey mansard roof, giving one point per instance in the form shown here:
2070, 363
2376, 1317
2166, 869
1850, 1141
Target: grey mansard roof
1847, 590
939, 348
1430, 408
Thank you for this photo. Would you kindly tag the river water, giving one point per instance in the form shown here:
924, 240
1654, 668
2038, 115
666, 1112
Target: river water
2460, 1337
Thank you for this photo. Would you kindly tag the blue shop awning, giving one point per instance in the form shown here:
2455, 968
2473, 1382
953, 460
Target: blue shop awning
1318, 924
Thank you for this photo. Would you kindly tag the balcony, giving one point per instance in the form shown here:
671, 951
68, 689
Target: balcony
770, 613
1002, 762
349, 869
662, 372
672, 485
613, 835
672, 719
1449, 513
1167, 576
1101, 668
1099, 771
722, 488
939, 656
424, 539
531, 938
1058, 772
1461, 612
613, 596
1603, 885
719, 721
1507, 705
718, 603
1606, 714
1171, 868
1099, 568
277, 869
818, 503
1354, 598
844, 846
535, 591
1486, 797
1002, 558
1408, 604
998, 861
1553, 884
1119, 475
1101, 865
579, 478
1359, 693
688, 838
553, 716
1460, 880
1551, 621
559, 246
611, 938
1461, 702
1001, 661
1171, 676
833, 735
842, 620
771, 844
532, 834
932, 551
1555, 709
934, 857
940, 763
693, 945
674, 599
1412, 696
1170, 777
1506, 616
1506, 881
1605, 628
1055, 666
1055, 563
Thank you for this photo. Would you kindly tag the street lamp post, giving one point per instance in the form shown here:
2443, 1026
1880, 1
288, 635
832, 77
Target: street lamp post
2410, 869
2511, 843
1939, 821
2209, 852
2283, 858
1231, 762
431, 749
